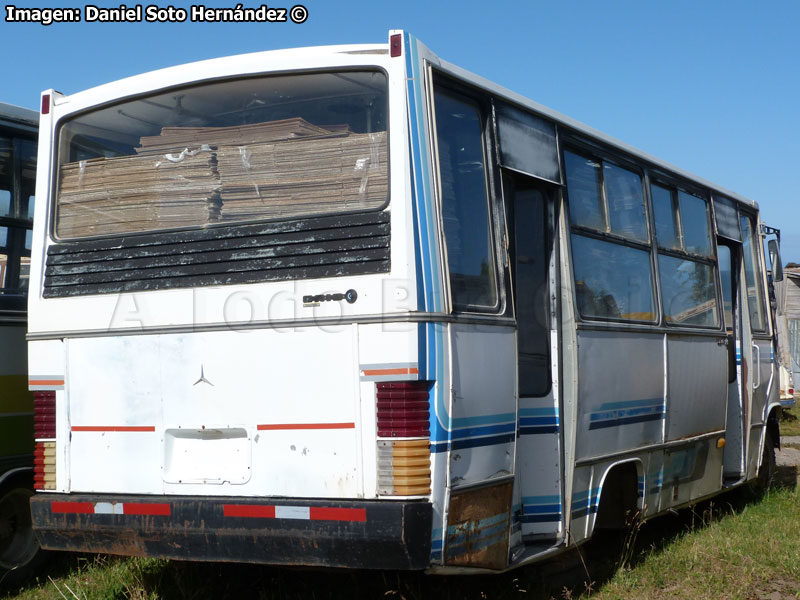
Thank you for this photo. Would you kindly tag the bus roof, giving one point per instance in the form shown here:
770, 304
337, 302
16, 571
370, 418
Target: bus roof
584, 129
16, 116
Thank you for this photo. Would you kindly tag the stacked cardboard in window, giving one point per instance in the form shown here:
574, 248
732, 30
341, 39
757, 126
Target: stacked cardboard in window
135, 193
311, 176
196, 175
172, 138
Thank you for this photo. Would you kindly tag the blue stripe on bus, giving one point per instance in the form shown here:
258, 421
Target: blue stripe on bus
632, 403
584, 494
556, 498
499, 518
429, 363
473, 426
656, 478
429, 259
543, 411
538, 420
483, 420
538, 430
446, 445
437, 544
422, 177
471, 432
626, 421
474, 537
541, 509
612, 414
585, 502
472, 437
535, 509
480, 543
541, 518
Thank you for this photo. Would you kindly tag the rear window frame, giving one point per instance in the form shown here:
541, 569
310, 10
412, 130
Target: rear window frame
60, 123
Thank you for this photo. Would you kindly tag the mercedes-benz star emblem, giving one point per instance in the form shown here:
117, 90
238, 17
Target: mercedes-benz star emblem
202, 378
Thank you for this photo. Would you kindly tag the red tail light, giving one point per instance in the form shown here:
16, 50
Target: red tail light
46, 104
403, 409
44, 411
395, 45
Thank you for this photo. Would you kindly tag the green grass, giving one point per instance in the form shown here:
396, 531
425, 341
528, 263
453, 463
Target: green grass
733, 548
790, 424
749, 553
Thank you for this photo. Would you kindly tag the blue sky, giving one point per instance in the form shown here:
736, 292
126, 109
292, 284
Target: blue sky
713, 87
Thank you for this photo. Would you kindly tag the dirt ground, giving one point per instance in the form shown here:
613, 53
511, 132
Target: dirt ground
789, 454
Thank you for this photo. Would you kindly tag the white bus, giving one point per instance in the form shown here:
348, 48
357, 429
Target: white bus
18, 545
354, 306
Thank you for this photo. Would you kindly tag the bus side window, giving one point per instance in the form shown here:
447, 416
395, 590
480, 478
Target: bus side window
6, 177
752, 274
465, 202
530, 277
685, 258
17, 189
610, 241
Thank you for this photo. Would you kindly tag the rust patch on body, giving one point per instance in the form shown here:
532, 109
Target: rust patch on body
478, 526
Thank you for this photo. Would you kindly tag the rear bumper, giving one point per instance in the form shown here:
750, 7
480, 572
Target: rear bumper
358, 534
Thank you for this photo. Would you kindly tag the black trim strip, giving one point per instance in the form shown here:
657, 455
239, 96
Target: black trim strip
303, 249
626, 421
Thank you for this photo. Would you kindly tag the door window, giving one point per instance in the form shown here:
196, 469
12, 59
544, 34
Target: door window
465, 202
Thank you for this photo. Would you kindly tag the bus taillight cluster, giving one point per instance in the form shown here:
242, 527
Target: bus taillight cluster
44, 474
403, 411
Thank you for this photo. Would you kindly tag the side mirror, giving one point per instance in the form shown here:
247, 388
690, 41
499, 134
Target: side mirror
775, 260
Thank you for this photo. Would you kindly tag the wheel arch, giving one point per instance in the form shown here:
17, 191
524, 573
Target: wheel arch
620, 494
22, 474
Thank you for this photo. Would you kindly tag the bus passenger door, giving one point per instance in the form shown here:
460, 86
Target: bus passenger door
737, 330
758, 348
530, 207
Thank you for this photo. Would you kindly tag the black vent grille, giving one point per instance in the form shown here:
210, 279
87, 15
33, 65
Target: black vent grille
304, 249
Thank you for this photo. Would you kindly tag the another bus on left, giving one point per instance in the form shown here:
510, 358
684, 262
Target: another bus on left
18, 545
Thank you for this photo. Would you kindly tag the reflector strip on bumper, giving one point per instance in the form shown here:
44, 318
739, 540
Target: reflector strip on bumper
110, 508
374, 534
305, 513
279, 426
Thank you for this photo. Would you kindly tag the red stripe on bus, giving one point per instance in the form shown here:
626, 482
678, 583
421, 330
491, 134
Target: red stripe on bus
273, 426
117, 428
135, 508
81, 508
318, 513
45, 382
248, 510
403, 371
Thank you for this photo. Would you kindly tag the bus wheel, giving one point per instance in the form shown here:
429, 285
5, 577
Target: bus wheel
18, 544
766, 472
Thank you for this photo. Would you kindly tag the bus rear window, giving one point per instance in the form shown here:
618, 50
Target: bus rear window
265, 148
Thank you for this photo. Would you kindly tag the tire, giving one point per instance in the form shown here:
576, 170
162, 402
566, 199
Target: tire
19, 549
766, 472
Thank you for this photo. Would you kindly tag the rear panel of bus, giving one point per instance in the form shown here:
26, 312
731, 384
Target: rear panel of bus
217, 267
